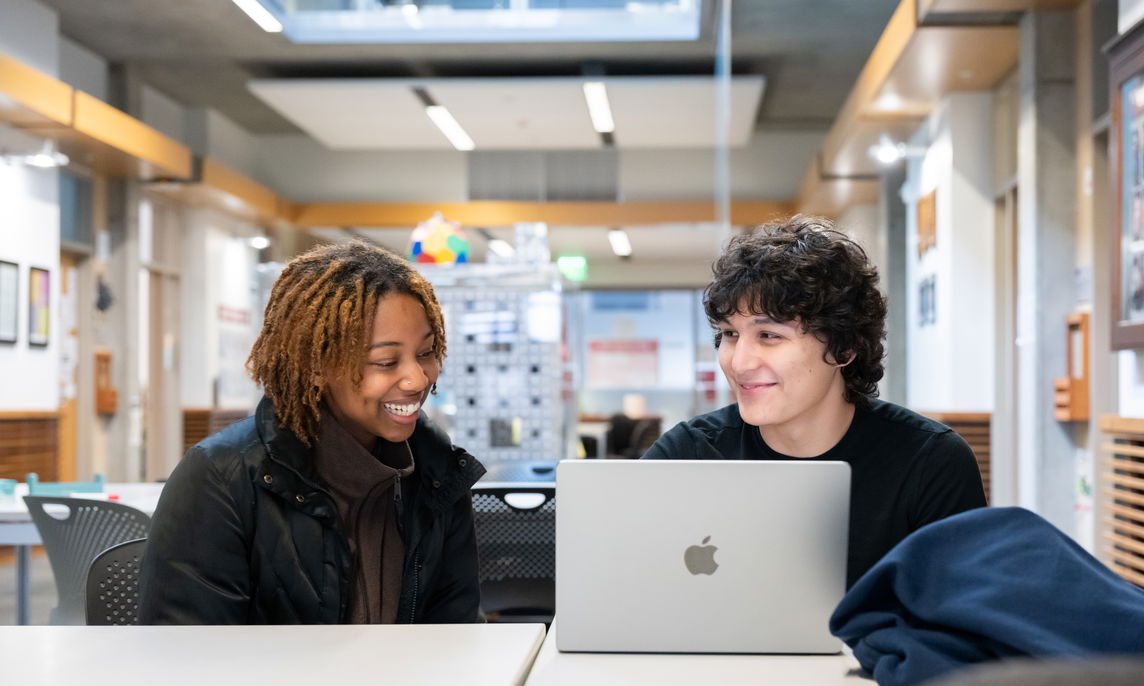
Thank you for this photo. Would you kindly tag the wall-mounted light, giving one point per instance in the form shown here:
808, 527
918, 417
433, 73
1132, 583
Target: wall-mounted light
260, 15
259, 242
46, 158
888, 152
621, 245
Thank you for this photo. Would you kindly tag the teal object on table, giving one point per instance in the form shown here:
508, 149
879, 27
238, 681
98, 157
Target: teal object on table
7, 490
63, 488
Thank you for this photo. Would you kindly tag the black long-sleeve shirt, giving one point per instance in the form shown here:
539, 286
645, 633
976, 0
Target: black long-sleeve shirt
906, 470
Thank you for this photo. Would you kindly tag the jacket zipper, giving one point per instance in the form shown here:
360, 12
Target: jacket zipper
416, 587
399, 506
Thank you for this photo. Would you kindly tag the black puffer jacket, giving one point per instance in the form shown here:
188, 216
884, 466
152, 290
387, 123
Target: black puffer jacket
246, 533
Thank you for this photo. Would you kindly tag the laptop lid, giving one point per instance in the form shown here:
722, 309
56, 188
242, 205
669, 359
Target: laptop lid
700, 556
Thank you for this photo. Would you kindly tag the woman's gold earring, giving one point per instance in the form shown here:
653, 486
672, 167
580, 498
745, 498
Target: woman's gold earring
433, 390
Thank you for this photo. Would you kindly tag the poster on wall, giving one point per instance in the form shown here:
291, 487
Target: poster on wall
927, 222
39, 301
9, 301
233, 388
1132, 220
927, 301
623, 363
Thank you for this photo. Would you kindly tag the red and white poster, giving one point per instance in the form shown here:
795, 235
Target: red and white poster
623, 363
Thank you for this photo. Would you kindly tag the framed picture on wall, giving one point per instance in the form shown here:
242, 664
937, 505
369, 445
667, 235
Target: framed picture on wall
1126, 59
39, 306
9, 301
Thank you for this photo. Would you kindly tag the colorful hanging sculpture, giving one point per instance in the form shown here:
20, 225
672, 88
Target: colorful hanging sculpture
437, 241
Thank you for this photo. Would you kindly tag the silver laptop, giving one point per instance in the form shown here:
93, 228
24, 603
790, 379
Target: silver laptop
700, 556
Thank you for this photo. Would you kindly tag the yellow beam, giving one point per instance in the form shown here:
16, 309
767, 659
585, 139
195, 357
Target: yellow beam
259, 199
885, 55
487, 213
158, 156
29, 97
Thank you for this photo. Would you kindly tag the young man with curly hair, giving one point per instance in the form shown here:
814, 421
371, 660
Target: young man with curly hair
338, 501
799, 324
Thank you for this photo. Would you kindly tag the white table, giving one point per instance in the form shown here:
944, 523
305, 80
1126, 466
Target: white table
18, 529
470, 654
553, 668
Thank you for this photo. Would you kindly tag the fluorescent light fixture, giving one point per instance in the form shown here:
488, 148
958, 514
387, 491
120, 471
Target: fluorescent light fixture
449, 126
261, 16
620, 243
598, 108
259, 242
501, 248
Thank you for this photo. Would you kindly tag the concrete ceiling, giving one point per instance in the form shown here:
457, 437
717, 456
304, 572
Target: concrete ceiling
202, 53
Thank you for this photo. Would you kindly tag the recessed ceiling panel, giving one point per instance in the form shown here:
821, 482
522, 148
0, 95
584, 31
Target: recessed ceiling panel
516, 114
354, 114
512, 113
679, 112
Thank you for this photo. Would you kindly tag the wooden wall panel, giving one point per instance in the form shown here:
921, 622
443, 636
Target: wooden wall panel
29, 442
198, 423
1120, 531
974, 428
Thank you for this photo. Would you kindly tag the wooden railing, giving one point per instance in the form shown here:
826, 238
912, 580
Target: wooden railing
1121, 496
974, 428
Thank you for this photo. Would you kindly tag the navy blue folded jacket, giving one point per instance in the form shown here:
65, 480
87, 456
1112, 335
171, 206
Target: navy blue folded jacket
985, 584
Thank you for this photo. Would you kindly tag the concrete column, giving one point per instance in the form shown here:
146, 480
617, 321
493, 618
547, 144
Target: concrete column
124, 430
1046, 245
892, 211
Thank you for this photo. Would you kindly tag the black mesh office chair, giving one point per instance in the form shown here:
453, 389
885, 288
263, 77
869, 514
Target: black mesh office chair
113, 585
516, 544
74, 531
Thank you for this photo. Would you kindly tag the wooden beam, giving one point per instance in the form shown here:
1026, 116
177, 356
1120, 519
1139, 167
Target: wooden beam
885, 55
487, 213
31, 98
153, 154
257, 198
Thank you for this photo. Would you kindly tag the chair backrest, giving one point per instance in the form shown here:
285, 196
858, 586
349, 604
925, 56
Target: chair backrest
520, 471
74, 531
516, 545
113, 585
64, 488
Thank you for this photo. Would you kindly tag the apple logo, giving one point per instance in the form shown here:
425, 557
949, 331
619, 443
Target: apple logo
700, 559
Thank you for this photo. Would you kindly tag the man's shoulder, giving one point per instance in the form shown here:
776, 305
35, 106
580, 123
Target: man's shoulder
714, 423
714, 435
896, 417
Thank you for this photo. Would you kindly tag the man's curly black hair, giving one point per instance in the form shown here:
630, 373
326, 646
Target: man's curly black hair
802, 269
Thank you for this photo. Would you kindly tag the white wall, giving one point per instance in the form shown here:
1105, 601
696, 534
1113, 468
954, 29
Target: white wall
82, 69
218, 273
951, 363
29, 236
862, 224
29, 33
